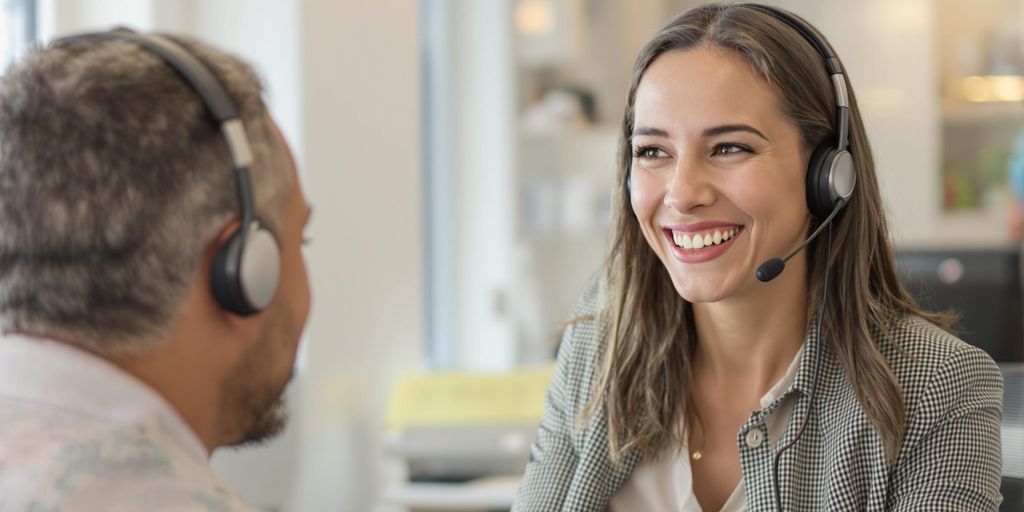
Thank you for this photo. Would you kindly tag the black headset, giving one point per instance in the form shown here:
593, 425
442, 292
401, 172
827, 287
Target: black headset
246, 269
831, 174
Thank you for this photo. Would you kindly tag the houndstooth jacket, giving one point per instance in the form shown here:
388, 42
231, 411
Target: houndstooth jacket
950, 458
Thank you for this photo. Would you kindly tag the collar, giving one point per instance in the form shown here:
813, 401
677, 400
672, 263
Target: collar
800, 376
787, 382
804, 379
62, 376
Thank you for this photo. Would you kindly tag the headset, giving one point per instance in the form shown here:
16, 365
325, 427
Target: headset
831, 174
247, 265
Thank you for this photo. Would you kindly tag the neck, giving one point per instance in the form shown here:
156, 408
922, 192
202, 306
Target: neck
749, 341
195, 399
188, 368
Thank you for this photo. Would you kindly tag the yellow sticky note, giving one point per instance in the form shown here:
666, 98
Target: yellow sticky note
461, 398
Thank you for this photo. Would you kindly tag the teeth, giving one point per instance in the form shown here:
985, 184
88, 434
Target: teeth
699, 242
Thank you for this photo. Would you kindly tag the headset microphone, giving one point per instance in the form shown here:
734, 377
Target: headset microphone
772, 268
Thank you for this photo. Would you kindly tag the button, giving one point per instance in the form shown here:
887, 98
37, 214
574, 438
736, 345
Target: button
755, 437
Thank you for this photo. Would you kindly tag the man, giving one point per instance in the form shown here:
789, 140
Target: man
123, 364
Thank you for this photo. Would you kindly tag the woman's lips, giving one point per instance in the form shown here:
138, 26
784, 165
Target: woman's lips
699, 243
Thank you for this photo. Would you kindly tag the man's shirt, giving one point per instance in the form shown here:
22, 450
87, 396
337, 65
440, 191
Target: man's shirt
79, 434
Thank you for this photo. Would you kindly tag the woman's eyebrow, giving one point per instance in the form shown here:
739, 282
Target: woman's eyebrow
727, 128
654, 132
710, 132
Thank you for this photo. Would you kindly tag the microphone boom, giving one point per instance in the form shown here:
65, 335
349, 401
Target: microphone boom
772, 268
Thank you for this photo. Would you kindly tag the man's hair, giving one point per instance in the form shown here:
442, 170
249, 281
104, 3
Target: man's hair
114, 180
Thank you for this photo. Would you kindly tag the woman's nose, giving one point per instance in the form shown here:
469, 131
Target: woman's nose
689, 187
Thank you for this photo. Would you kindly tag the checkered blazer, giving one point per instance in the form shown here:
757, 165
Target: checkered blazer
950, 459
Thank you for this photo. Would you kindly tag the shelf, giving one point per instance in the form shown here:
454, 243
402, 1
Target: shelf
963, 112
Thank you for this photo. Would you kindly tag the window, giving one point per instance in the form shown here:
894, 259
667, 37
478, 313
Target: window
18, 22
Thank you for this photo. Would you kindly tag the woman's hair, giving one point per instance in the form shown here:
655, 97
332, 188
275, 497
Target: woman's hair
649, 350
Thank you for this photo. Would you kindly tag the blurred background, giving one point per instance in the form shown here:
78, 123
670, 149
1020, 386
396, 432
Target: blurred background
459, 155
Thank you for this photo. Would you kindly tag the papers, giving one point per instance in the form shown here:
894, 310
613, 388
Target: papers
460, 398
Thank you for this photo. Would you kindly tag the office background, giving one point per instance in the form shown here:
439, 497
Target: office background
459, 156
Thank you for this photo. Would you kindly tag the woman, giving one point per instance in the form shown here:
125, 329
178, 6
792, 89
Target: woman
685, 382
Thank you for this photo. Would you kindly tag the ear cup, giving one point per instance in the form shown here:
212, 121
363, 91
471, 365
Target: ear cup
246, 270
831, 176
819, 198
224, 276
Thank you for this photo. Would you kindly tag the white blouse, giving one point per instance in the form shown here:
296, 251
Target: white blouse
665, 484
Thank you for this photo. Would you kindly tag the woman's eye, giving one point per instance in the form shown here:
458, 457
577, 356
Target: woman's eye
648, 152
728, 149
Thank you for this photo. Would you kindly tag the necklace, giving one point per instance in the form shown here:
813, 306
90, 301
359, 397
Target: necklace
698, 454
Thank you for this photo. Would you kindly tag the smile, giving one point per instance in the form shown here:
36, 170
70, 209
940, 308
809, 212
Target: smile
701, 240
701, 245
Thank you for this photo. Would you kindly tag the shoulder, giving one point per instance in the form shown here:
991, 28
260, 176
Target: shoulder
75, 463
158, 495
585, 332
578, 353
923, 355
941, 375
584, 336
949, 457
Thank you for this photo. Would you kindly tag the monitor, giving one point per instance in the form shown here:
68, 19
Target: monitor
982, 285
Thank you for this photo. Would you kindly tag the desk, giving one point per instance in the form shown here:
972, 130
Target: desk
497, 493
494, 493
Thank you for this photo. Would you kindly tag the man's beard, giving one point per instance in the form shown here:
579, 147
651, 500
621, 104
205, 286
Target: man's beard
264, 420
257, 405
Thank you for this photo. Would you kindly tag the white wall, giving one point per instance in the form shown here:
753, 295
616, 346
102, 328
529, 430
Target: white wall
485, 121
888, 49
360, 98
59, 17
265, 32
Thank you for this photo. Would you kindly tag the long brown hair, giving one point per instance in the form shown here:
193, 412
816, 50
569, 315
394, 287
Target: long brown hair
645, 370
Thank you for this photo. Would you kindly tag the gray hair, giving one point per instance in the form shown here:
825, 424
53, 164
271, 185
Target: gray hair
114, 181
